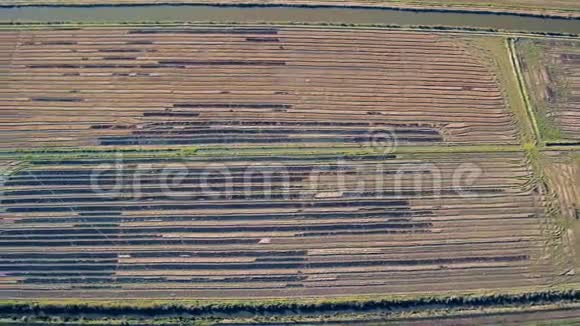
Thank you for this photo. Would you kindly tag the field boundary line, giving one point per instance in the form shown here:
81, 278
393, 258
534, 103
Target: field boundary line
523, 91
437, 29
43, 154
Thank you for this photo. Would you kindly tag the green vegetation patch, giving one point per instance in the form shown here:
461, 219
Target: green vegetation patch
202, 311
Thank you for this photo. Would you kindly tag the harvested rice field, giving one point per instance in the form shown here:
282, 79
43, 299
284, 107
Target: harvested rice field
305, 226
562, 172
246, 163
247, 86
552, 73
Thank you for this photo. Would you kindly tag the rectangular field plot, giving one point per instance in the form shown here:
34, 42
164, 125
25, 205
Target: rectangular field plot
562, 171
273, 226
552, 72
209, 86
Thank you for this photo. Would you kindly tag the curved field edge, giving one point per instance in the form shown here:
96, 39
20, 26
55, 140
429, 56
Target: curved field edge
390, 307
521, 8
505, 66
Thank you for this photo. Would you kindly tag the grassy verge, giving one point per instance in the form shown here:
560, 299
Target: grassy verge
525, 113
413, 28
223, 151
95, 153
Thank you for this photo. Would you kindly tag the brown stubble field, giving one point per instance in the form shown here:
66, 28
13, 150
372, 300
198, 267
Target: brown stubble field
332, 210
552, 73
562, 173
299, 241
260, 86
550, 70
